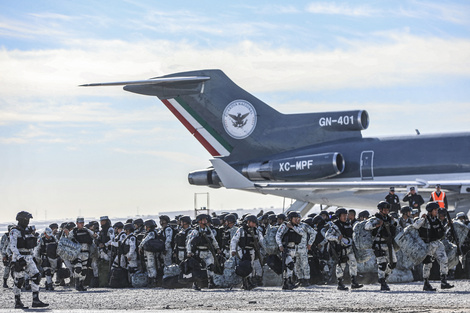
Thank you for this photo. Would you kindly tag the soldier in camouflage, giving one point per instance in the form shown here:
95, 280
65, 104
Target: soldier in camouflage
302, 268
288, 237
431, 230
340, 238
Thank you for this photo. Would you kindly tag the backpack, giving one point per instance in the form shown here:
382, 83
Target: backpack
118, 278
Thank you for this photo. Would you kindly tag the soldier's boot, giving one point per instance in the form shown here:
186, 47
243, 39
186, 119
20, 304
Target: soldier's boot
288, 284
245, 285
49, 286
304, 283
62, 282
152, 282
5, 285
251, 284
38, 303
196, 287
444, 283
27, 285
383, 285
210, 284
341, 285
19, 304
427, 286
354, 284
95, 282
79, 285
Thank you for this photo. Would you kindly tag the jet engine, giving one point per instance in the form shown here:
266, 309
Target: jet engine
206, 177
300, 168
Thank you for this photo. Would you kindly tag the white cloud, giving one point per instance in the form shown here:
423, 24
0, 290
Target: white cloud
333, 8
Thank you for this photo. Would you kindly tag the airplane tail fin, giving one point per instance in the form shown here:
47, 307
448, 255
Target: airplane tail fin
231, 123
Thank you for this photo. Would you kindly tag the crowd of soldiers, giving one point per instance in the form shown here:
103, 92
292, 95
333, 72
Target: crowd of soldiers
302, 251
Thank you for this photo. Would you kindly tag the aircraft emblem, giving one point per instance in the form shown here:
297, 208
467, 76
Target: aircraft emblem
239, 119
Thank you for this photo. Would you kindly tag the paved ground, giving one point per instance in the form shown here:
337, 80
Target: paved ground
407, 297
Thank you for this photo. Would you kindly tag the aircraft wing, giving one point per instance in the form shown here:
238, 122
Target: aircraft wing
232, 179
362, 184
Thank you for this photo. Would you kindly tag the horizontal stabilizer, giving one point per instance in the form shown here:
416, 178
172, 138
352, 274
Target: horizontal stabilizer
154, 81
231, 179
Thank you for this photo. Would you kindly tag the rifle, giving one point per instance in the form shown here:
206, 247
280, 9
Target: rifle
454, 234
389, 241
218, 267
257, 247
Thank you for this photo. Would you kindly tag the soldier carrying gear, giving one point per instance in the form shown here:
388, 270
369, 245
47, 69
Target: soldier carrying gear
383, 228
302, 266
129, 250
340, 238
246, 243
431, 230
149, 256
22, 243
166, 235
6, 255
119, 260
198, 243
288, 237
228, 232
180, 239
47, 256
405, 219
80, 265
363, 215
105, 237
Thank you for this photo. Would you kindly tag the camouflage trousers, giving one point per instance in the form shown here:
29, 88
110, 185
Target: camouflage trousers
436, 251
80, 265
302, 268
208, 259
351, 261
165, 258
151, 264
384, 264
31, 271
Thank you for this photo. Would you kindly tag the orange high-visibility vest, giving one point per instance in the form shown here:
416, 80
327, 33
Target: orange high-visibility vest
439, 199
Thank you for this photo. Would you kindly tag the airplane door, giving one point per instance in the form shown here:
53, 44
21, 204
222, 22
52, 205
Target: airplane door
367, 165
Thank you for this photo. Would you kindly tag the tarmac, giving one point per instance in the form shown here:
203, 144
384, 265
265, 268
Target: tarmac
405, 297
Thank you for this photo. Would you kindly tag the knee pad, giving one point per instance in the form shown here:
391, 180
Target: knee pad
291, 266
382, 266
48, 272
77, 270
428, 259
36, 278
19, 283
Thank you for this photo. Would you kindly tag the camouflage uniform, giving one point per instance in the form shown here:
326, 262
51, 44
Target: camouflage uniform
302, 268
166, 235
149, 256
381, 249
180, 244
84, 236
292, 238
196, 244
6, 256
431, 231
48, 264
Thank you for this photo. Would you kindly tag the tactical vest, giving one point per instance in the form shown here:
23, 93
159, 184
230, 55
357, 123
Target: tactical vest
126, 247
200, 241
435, 231
345, 229
247, 241
382, 231
226, 238
82, 236
27, 239
292, 236
180, 239
103, 236
45, 243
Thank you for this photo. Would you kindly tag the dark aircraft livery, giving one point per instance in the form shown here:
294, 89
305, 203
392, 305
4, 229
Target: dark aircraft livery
317, 158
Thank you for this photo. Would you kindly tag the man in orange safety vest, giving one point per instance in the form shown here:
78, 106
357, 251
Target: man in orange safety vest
439, 197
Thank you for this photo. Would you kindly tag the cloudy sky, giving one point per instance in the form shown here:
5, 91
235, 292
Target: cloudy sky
68, 151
